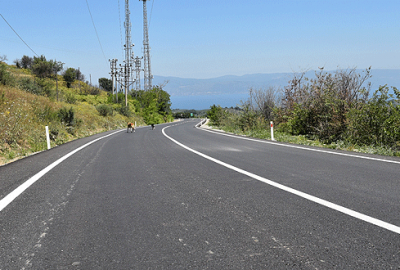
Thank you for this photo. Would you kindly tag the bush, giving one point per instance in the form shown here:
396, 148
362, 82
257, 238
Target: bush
248, 118
318, 107
104, 110
5, 77
125, 111
70, 98
44, 113
377, 122
67, 117
30, 86
215, 114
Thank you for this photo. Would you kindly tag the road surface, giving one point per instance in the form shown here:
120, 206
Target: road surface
179, 197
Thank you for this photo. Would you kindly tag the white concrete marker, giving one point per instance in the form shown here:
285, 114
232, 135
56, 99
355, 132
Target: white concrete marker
272, 131
48, 138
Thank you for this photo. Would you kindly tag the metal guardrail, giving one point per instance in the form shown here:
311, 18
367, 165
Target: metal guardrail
202, 122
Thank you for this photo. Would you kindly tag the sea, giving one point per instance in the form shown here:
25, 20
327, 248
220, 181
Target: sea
202, 102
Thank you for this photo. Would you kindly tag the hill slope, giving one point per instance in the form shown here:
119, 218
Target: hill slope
28, 104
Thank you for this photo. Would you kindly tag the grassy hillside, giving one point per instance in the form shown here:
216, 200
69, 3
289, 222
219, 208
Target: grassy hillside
28, 104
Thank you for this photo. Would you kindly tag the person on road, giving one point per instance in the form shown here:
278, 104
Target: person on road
131, 127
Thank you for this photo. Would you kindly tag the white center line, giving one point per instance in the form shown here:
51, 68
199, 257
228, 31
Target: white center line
309, 197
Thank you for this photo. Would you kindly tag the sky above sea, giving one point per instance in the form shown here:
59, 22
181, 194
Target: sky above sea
206, 39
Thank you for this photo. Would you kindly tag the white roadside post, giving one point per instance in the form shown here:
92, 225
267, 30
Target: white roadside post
48, 137
272, 131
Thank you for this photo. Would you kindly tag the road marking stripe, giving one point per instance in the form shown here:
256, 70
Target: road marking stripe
300, 147
19, 190
306, 196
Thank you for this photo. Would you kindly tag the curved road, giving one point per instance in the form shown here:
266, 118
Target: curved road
179, 197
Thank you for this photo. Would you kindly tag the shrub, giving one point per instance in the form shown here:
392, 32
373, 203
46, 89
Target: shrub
318, 107
377, 122
248, 118
44, 113
31, 86
70, 98
5, 77
104, 110
215, 114
125, 111
67, 117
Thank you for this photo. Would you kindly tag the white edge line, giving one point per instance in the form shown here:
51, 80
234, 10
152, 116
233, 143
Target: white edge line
300, 147
19, 190
306, 196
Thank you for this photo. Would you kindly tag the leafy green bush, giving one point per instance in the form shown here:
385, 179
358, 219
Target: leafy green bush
377, 122
5, 77
70, 98
31, 86
317, 108
215, 114
248, 118
44, 113
125, 111
104, 110
67, 117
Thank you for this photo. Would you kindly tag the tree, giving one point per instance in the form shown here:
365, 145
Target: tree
215, 114
3, 58
26, 62
263, 101
79, 75
69, 76
43, 68
105, 84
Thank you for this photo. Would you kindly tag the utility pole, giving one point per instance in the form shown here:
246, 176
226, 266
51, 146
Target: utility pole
138, 64
146, 48
113, 64
57, 66
80, 84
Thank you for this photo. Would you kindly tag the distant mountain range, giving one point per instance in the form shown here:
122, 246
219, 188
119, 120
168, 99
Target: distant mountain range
240, 84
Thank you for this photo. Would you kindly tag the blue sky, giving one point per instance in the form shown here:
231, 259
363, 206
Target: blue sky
206, 39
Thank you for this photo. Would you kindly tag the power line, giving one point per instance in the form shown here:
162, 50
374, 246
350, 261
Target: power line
105, 58
120, 27
151, 12
19, 36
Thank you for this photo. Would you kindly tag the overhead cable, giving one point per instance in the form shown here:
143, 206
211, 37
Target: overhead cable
120, 28
105, 58
19, 36
151, 12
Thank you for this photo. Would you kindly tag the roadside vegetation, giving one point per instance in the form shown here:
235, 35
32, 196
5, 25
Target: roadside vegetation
29, 101
332, 110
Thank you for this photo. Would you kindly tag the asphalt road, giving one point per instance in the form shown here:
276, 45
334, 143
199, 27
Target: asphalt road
179, 197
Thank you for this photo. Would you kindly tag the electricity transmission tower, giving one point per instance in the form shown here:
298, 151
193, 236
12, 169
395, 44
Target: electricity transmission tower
128, 47
146, 50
